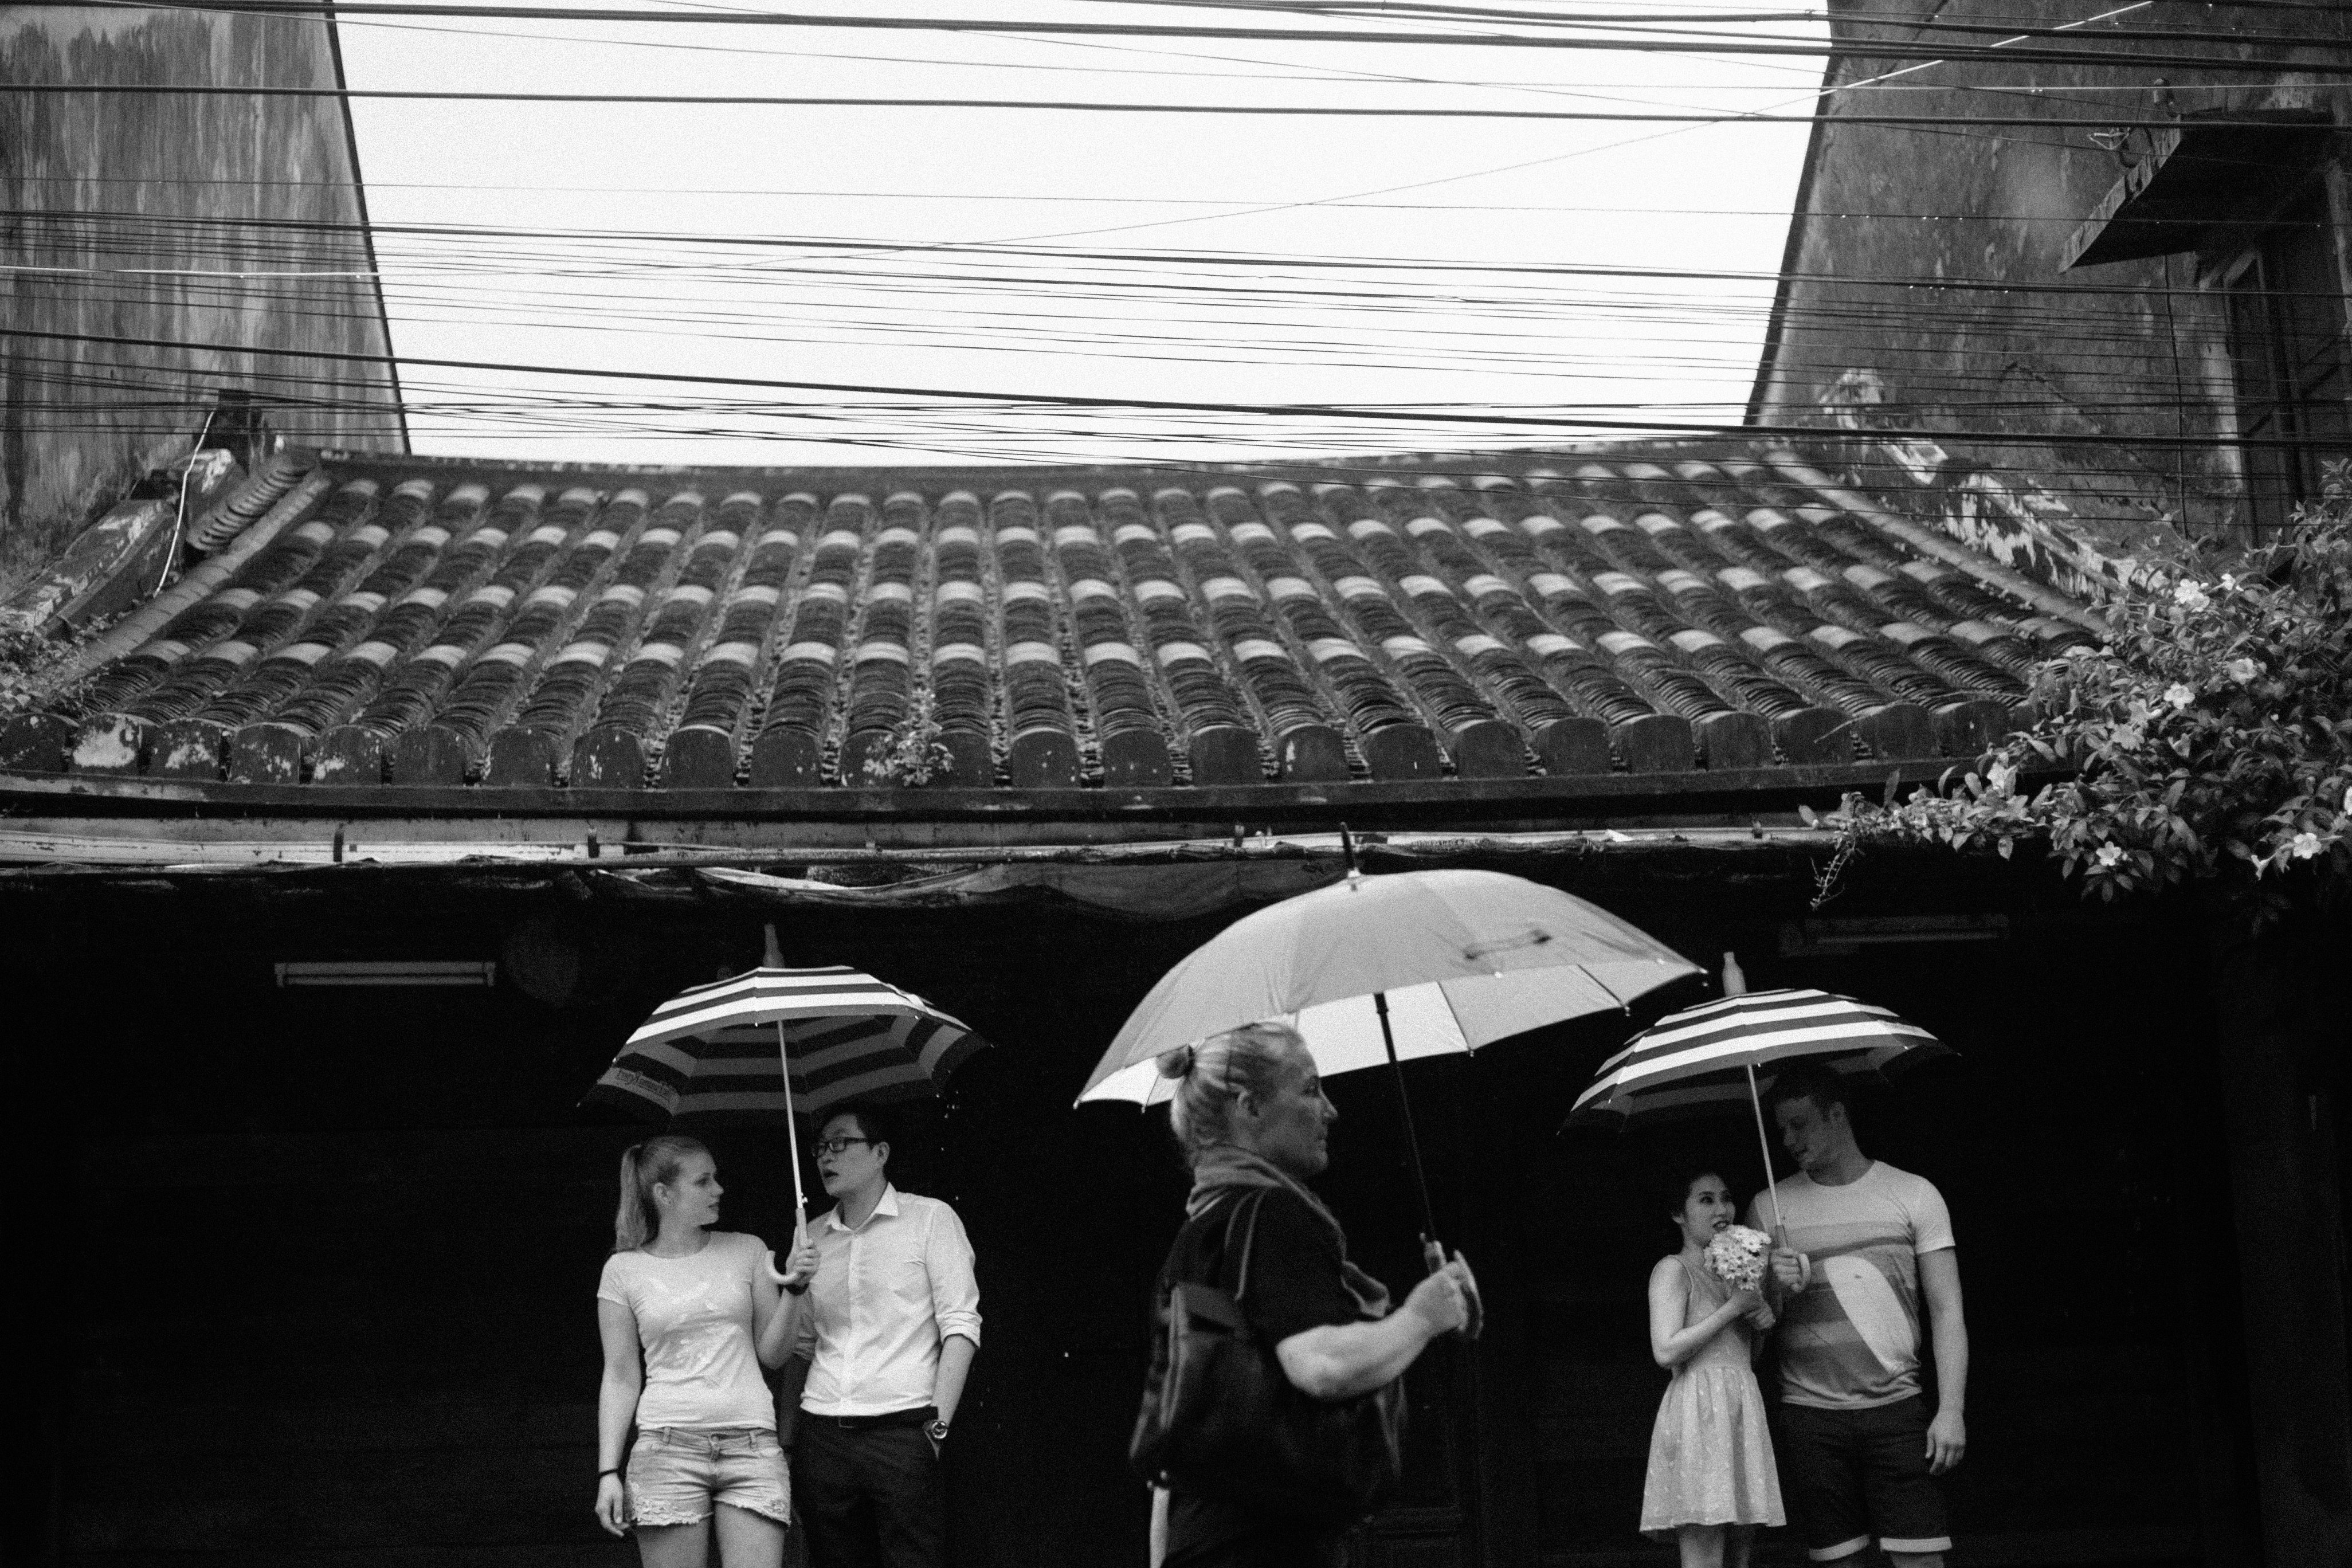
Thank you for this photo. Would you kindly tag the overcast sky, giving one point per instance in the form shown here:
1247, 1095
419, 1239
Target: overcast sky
1225, 225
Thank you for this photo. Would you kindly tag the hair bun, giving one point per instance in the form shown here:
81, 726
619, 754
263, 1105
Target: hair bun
1178, 1062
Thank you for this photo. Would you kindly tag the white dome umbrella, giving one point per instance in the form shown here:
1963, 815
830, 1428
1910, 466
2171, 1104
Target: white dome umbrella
1424, 1020
1379, 969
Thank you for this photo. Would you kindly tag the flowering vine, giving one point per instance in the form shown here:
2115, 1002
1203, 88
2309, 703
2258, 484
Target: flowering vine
2211, 737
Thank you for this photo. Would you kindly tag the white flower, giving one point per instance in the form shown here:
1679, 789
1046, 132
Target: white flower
2229, 583
2001, 777
2110, 854
2347, 800
2306, 845
1736, 1256
2180, 695
2189, 597
2243, 670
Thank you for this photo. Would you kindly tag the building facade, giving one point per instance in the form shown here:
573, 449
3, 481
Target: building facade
587, 731
2124, 277
157, 245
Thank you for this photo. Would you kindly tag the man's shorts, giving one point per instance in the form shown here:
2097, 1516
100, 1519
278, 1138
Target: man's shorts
676, 1473
1852, 1474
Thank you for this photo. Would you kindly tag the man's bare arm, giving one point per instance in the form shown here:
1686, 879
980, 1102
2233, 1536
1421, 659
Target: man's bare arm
956, 1353
1947, 1434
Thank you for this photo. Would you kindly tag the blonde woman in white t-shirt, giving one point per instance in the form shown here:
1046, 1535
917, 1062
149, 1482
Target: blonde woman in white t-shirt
689, 1316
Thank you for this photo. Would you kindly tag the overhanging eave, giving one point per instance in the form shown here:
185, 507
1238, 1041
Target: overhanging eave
2196, 175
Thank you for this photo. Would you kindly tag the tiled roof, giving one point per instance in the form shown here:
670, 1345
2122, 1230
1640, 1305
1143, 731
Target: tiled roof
406, 621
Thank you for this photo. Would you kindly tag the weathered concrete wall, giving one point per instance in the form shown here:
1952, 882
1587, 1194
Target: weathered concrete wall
134, 217
1937, 208
2282, 1004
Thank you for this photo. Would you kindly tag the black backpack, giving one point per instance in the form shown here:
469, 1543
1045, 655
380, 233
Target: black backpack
1221, 1419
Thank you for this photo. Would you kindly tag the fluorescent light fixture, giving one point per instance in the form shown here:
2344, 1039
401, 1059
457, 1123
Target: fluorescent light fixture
411, 972
1843, 937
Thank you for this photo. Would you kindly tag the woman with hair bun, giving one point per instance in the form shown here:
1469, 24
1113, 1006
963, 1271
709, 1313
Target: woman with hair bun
689, 1316
1250, 1116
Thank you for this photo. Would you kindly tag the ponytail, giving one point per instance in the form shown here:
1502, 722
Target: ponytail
1210, 1076
644, 1167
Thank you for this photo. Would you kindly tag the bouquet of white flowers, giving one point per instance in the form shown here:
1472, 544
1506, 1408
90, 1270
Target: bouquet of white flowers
1736, 1257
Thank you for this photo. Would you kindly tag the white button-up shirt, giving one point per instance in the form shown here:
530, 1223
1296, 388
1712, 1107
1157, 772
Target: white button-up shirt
886, 1295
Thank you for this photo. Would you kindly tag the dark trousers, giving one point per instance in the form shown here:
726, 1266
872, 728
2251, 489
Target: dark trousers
1286, 1550
869, 1497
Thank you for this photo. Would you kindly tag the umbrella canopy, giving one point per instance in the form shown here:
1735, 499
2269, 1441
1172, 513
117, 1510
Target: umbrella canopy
1709, 1055
1461, 959
1446, 960
715, 1050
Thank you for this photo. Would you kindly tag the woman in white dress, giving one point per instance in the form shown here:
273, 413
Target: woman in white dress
1711, 1478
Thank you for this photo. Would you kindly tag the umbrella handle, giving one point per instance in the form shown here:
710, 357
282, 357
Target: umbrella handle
792, 1124
1764, 1147
1433, 1254
1432, 1258
1404, 1113
774, 958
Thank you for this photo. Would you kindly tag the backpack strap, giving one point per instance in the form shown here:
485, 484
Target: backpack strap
1255, 1201
1249, 1204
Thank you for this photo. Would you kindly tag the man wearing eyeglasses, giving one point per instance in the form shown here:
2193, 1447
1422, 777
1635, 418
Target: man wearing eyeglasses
891, 1339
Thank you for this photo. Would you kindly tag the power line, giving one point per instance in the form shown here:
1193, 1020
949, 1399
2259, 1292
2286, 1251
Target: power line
445, 95
2024, 24
1734, 44
1343, 411
669, 242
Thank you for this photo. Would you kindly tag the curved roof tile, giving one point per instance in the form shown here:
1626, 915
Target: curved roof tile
425, 621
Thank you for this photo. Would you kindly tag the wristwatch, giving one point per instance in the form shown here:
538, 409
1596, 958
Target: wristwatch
938, 1431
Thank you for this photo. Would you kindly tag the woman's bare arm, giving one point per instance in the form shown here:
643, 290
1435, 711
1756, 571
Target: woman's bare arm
776, 1311
616, 1397
1671, 1343
1342, 1359
616, 1407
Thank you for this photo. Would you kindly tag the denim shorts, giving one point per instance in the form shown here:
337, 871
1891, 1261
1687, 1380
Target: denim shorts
676, 1473
1855, 1473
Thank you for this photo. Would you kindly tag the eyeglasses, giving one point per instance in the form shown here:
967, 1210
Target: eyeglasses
836, 1145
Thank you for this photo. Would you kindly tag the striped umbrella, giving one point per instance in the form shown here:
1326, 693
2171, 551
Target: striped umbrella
774, 1041
1709, 1055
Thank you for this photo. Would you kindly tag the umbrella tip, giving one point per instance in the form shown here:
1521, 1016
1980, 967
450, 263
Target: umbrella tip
775, 957
1735, 979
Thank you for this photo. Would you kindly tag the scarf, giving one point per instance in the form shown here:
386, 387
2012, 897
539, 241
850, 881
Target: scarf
1225, 1168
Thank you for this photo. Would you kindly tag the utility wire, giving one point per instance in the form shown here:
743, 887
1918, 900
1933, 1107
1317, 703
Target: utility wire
1343, 411
446, 95
669, 244
1732, 44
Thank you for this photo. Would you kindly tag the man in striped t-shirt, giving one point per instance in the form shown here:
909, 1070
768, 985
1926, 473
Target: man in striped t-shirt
1866, 1246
